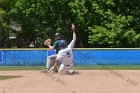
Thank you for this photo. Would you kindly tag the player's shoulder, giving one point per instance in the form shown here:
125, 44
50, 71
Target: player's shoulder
57, 41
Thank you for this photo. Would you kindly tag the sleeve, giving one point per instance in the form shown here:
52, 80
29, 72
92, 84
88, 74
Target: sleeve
72, 43
55, 44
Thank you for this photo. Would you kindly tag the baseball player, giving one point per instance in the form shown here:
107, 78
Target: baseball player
65, 56
51, 59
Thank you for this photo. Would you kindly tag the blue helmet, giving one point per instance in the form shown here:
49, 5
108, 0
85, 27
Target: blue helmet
63, 43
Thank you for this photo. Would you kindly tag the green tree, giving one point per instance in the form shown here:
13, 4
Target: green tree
109, 23
100, 23
40, 19
5, 7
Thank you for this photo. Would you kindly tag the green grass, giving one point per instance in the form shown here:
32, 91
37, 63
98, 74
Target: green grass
7, 68
8, 77
133, 67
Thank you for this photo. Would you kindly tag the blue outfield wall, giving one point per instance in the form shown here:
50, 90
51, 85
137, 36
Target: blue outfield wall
1, 56
107, 57
33, 57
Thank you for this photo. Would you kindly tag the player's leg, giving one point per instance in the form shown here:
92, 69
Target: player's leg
65, 69
50, 61
61, 69
68, 67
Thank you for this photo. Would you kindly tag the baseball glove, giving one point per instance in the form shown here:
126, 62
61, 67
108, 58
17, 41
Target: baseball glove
47, 42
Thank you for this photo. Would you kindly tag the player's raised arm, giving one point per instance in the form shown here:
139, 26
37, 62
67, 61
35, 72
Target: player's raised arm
73, 30
71, 45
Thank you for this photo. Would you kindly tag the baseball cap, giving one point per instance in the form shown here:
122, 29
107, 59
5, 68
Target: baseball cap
58, 34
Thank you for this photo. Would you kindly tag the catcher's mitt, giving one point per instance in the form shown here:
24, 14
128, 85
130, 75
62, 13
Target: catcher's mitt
47, 42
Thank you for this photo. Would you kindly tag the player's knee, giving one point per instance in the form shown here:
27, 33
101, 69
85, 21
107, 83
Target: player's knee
49, 57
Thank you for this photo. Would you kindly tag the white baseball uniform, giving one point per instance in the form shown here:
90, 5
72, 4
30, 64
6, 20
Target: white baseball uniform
66, 57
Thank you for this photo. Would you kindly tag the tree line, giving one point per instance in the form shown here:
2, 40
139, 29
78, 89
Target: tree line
99, 23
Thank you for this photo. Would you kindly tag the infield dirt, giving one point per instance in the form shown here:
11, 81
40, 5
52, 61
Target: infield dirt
87, 81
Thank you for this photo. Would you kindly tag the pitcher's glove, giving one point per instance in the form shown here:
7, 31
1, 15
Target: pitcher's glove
47, 42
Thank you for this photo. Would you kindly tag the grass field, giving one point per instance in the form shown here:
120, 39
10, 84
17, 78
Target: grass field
8, 77
133, 67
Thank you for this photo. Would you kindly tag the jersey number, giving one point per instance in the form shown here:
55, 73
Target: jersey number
68, 54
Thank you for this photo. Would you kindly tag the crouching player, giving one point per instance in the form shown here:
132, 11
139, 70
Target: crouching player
65, 56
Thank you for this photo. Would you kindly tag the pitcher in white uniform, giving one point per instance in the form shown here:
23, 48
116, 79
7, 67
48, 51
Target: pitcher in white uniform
65, 55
